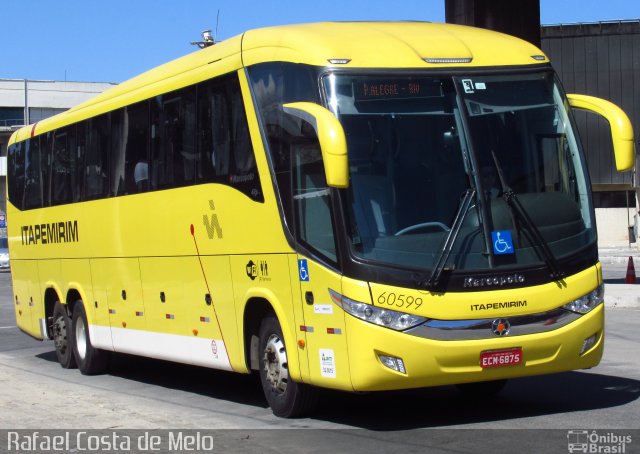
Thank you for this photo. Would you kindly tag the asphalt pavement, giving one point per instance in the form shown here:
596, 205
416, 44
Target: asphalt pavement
533, 414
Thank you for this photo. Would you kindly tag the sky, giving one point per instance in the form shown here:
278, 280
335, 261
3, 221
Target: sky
114, 40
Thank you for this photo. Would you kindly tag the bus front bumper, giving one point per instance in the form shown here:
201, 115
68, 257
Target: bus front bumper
428, 362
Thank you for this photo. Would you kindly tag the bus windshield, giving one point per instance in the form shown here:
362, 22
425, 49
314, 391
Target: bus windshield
418, 145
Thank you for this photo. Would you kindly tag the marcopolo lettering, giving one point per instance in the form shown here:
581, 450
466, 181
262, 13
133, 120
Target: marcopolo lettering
54, 232
494, 280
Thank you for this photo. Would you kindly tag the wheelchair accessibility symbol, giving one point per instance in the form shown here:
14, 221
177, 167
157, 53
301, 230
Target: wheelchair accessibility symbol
303, 270
502, 242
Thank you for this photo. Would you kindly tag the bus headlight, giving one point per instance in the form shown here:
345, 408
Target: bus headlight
587, 302
388, 318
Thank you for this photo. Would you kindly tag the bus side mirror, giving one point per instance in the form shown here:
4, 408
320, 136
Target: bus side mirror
621, 129
333, 142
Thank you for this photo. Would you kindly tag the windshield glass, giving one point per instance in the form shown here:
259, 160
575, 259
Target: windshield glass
417, 144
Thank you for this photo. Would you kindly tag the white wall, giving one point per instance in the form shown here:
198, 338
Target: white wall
613, 226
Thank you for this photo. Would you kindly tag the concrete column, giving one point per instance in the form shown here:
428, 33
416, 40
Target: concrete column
26, 102
519, 18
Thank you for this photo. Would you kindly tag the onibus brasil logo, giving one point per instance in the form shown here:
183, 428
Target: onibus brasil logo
594, 442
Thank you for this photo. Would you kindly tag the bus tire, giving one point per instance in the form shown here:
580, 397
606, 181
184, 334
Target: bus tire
62, 337
287, 398
481, 390
90, 360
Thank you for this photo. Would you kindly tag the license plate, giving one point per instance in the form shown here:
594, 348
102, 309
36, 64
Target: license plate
501, 358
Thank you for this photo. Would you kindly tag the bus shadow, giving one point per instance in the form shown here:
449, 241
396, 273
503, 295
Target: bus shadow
211, 383
394, 410
445, 406
48, 356
216, 384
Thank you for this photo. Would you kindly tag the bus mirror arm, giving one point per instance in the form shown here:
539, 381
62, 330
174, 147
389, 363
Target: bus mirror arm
333, 142
621, 128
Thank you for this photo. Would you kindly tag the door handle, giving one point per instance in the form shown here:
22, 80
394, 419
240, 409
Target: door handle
308, 297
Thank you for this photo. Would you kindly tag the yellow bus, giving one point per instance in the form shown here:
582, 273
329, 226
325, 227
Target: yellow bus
354, 206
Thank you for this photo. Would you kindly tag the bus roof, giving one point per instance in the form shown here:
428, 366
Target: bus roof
386, 45
413, 45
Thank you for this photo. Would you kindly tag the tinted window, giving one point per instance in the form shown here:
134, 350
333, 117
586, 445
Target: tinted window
17, 172
174, 139
275, 84
311, 197
80, 151
225, 150
198, 134
33, 175
63, 166
96, 165
118, 148
137, 148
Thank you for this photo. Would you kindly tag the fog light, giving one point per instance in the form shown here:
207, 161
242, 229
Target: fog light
588, 343
393, 363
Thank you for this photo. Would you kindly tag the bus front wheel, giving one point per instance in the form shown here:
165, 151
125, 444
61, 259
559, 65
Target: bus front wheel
287, 398
62, 338
90, 360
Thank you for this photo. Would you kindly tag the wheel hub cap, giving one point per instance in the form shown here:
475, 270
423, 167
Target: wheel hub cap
60, 334
275, 364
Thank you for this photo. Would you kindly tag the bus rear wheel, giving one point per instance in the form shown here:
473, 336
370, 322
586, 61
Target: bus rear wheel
287, 398
90, 360
62, 338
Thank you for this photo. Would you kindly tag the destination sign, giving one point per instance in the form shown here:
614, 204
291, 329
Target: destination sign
396, 88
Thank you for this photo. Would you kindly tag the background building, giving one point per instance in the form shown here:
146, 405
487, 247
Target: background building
603, 59
28, 101
600, 59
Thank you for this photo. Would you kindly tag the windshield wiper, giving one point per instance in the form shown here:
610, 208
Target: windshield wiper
516, 207
445, 252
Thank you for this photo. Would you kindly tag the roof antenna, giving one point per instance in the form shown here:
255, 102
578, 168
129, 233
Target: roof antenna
215, 35
207, 39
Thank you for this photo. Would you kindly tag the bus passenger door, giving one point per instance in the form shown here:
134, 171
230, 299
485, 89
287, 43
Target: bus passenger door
324, 324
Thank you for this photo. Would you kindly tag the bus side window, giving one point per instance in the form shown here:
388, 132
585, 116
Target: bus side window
96, 164
221, 132
118, 147
63, 166
173, 139
137, 148
311, 197
33, 177
225, 152
80, 150
244, 159
215, 138
16, 168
